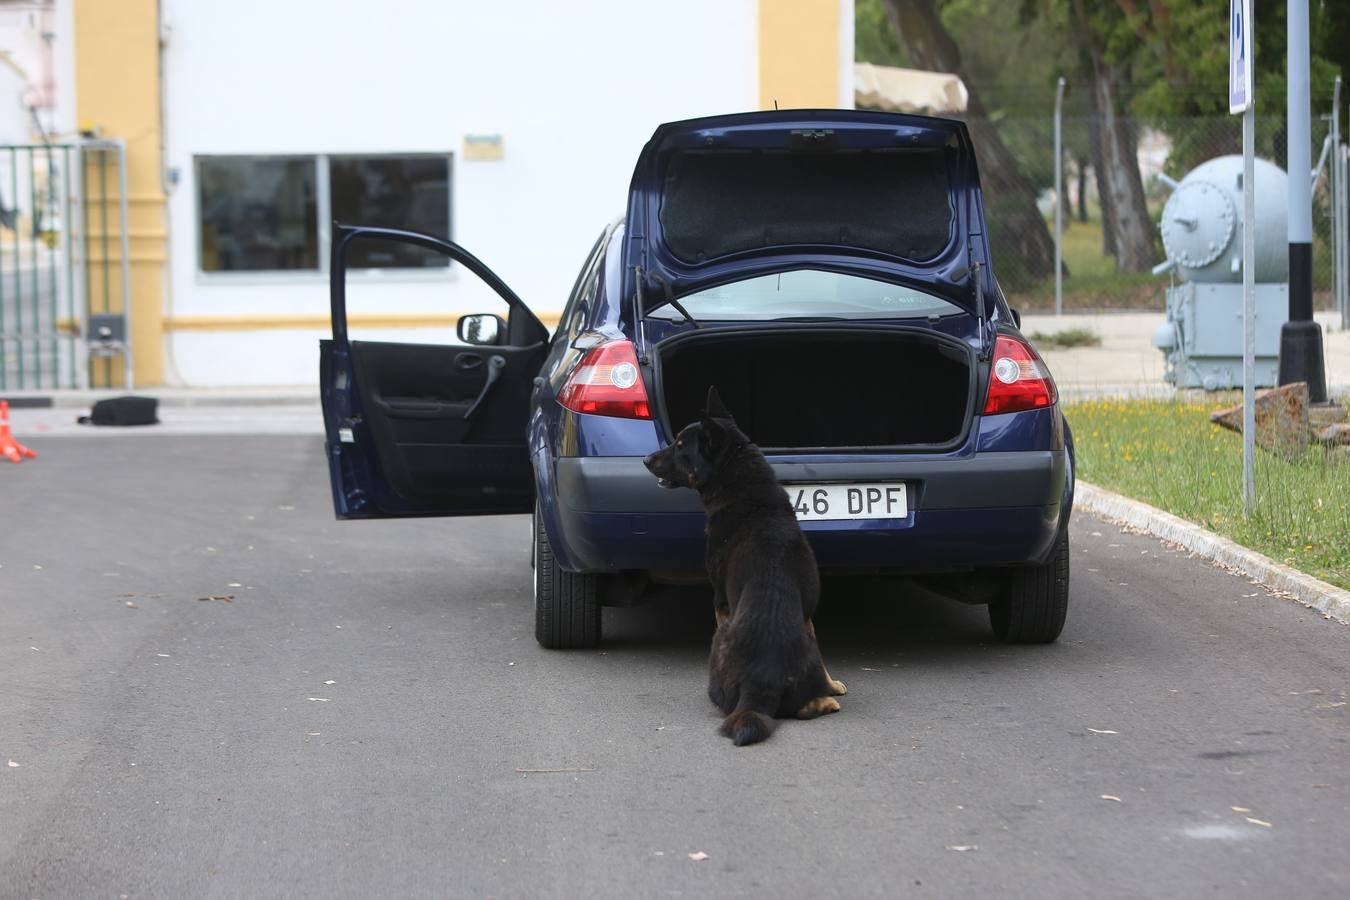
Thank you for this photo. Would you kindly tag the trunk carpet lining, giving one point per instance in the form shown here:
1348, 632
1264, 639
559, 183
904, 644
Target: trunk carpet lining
811, 391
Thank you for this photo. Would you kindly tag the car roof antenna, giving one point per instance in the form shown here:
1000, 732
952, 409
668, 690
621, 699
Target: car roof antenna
670, 298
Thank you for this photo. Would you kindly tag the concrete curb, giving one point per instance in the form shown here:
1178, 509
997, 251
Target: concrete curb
1329, 600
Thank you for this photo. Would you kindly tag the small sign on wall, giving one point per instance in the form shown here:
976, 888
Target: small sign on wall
484, 147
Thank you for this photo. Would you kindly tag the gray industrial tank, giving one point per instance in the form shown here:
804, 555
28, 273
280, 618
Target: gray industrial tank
1202, 222
1201, 229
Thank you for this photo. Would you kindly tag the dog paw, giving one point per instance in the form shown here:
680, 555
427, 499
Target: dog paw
818, 707
838, 688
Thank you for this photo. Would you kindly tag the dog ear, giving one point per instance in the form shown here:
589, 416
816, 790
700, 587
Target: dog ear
712, 436
716, 409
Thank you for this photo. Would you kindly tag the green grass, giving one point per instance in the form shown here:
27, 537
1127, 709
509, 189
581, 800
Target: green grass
1092, 282
1166, 453
1066, 339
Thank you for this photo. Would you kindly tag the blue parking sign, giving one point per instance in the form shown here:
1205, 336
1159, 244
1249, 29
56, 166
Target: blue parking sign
1239, 55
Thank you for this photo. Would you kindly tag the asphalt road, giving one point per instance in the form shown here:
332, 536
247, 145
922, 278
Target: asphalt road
352, 721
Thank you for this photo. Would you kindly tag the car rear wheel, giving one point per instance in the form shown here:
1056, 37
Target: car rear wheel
566, 604
1034, 600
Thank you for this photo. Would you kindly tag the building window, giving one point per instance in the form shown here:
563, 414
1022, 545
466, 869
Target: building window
409, 192
262, 213
258, 213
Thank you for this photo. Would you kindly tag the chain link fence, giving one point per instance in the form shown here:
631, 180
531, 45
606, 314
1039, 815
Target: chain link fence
1108, 254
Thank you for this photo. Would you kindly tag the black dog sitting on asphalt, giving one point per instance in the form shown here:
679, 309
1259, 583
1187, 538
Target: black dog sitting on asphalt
765, 662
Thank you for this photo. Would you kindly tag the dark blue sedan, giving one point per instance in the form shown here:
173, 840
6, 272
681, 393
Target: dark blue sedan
829, 272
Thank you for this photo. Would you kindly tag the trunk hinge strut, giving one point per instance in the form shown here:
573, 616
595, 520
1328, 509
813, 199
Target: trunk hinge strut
670, 296
976, 271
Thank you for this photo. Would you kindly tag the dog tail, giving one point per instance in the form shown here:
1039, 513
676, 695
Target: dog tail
747, 726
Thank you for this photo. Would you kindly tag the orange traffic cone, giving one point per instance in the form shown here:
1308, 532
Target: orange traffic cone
10, 449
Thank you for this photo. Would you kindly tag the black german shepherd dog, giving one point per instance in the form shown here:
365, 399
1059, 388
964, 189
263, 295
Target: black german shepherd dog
765, 662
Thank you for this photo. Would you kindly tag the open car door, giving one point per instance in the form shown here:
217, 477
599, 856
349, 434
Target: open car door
429, 430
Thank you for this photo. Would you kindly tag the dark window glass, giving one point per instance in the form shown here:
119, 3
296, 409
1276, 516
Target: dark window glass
583, 291
409, 192
808, 292
257, 213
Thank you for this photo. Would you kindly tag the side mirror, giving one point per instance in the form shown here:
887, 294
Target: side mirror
481, 328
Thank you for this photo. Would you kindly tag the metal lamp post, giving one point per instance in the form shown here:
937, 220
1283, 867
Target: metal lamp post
1301, 337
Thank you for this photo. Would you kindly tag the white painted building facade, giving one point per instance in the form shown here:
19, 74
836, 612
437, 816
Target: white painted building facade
567, 92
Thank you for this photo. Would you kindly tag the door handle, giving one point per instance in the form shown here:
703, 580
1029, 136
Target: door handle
495, 366
468, 361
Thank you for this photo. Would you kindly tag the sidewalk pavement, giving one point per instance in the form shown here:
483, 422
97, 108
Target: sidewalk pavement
280, 414
1126, 364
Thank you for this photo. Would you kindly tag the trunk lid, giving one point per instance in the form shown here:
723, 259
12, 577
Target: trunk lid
727, 197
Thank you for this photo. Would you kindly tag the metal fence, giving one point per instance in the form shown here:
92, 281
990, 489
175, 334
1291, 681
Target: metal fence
1338, 164
64, 276
1023, 245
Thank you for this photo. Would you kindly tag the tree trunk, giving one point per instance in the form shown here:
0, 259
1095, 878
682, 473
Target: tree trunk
1125, 221
1081, 165
1015, 223
1104, 200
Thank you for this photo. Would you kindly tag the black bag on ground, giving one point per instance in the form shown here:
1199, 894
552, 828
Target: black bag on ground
123, 411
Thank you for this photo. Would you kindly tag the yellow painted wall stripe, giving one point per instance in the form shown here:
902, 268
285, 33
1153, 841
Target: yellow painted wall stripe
799, 54
116, 48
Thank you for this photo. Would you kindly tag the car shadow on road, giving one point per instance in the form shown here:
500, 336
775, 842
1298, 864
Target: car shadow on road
860, 618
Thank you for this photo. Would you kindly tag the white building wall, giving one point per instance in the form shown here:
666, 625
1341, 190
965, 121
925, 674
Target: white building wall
24, 78
24, 71
15, 127
845, 99
574, 90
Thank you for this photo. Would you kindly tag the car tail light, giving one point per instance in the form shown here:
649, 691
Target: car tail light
608, 382
1018, 378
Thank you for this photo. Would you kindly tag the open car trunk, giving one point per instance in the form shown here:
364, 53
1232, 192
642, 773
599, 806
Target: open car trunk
799, 388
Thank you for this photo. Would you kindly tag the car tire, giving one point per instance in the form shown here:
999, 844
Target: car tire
1034, 600
566, 604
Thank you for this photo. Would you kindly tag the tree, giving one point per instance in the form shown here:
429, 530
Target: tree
1127, 230
1187, 97
1331, 42
1015, 222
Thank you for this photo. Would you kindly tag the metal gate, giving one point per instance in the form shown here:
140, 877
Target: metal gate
1338, 198
64, 266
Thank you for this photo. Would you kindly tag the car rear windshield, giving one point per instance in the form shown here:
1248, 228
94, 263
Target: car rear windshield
808, 293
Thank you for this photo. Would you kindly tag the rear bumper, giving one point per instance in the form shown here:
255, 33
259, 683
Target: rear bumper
984, 509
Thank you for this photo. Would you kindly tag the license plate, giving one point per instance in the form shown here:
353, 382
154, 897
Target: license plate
826, 502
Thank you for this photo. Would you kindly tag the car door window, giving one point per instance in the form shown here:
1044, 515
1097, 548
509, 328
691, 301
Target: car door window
581, 314
583, 292
410, 309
